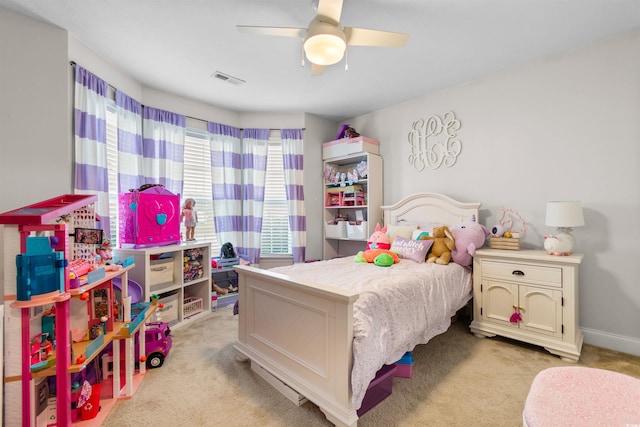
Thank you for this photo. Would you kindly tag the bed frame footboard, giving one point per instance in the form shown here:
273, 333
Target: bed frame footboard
302, 334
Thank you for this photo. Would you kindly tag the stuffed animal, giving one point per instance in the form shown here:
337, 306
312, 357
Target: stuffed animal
468, 236
443, 244
379, 239
380, 257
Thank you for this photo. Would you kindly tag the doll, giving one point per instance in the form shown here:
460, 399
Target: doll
190, 218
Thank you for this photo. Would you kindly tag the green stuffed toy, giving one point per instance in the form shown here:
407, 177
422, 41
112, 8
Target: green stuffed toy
379, 257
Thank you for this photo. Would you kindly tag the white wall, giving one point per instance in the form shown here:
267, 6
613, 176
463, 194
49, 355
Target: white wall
565, 128
35, 136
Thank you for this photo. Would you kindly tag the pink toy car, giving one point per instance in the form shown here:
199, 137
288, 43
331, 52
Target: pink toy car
157, 344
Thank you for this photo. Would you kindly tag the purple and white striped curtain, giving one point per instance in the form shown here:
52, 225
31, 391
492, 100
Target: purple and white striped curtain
163, 148
130, 159
90, 137
292, 158
255, 146
226, 177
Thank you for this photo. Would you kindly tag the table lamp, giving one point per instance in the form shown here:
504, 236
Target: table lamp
564, 216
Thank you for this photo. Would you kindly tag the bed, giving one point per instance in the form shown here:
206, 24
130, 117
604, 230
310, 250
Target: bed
304, 327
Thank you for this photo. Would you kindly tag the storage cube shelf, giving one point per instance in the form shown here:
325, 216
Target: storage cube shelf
181, 273
352, 200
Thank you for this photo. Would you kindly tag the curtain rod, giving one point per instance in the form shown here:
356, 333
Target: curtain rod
73, 64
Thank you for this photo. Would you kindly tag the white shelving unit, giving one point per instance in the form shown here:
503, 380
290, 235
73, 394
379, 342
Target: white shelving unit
168, 278
344, 239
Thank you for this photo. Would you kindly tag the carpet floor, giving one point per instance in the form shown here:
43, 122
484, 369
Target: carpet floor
457, 380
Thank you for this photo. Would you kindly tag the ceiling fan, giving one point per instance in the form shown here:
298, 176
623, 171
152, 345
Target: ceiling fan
325, 40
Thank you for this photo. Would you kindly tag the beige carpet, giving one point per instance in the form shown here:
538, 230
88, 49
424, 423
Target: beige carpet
458, 380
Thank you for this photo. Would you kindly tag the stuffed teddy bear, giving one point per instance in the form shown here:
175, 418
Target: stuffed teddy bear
379, 239
443, 244
468, 237
380, 257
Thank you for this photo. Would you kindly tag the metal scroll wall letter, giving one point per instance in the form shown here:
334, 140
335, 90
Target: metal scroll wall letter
434, 141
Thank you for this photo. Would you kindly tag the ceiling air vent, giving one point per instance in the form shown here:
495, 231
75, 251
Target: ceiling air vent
227, 78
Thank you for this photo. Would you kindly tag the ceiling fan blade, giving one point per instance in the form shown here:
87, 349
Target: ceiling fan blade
316, 69
365, 37
272, 31
331, 9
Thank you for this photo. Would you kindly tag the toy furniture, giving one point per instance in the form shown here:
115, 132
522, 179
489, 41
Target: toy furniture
149, 218
297, 322
529, 296
37, 277
19, 226
575, 395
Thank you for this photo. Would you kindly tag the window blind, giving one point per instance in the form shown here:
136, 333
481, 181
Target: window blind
276, 234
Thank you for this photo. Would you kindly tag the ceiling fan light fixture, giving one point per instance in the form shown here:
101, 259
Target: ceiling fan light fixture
324, 49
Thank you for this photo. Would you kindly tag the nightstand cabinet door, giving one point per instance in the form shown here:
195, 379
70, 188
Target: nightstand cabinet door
498, 300
542, 310
529, 296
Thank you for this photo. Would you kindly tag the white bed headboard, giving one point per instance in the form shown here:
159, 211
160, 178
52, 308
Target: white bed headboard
430, 207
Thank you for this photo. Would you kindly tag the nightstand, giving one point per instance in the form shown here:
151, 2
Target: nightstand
529, 296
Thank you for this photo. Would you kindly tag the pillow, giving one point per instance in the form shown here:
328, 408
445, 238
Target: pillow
415, 250
417, 233
400, 230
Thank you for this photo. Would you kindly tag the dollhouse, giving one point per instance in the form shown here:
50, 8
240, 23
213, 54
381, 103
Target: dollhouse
57, 323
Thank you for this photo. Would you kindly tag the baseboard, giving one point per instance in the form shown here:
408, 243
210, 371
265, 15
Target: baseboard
611, 341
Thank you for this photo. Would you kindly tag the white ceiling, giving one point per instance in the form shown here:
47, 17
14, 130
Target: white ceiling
176, 45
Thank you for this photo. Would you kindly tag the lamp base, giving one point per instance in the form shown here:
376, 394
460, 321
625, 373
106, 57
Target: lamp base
562, 243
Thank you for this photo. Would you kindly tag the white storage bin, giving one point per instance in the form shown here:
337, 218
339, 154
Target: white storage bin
336, 231
169, 312
161, 273
346, 146
358, 231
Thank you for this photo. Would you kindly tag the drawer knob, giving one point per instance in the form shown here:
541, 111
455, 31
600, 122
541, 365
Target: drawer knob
517, 273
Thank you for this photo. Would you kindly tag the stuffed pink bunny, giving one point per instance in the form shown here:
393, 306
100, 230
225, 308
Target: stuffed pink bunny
379, 239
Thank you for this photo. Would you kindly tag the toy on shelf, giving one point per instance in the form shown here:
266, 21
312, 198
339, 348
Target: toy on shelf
190, 217
40, 270
149, 216
104, 252
41, 352
193, 268
509, 231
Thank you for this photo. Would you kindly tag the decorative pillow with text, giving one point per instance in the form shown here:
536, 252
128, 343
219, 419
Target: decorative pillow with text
415, 250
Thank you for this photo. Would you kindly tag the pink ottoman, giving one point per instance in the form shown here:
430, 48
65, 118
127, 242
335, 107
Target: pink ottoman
577, 396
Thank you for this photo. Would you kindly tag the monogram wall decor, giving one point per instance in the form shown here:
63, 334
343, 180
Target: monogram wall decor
434, 141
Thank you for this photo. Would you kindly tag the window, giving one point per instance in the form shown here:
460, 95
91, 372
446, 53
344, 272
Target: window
197, 184
276, 234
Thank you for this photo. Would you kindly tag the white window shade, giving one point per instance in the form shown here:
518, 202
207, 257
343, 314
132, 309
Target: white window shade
197, 185
276, 234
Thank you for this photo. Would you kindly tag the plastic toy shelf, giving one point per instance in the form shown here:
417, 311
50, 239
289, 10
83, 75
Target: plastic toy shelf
43, 212
39, 300
85, 286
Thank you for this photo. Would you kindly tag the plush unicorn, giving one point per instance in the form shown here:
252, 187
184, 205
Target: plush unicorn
379, 239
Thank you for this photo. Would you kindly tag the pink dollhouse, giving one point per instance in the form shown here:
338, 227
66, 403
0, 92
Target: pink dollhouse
149, 217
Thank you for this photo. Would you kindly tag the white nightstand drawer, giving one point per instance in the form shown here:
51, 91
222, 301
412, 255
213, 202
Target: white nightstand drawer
525, 273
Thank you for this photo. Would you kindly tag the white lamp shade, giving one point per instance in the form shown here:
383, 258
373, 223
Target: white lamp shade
564, 214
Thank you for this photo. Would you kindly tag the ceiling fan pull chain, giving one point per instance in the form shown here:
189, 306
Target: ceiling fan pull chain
346, 59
